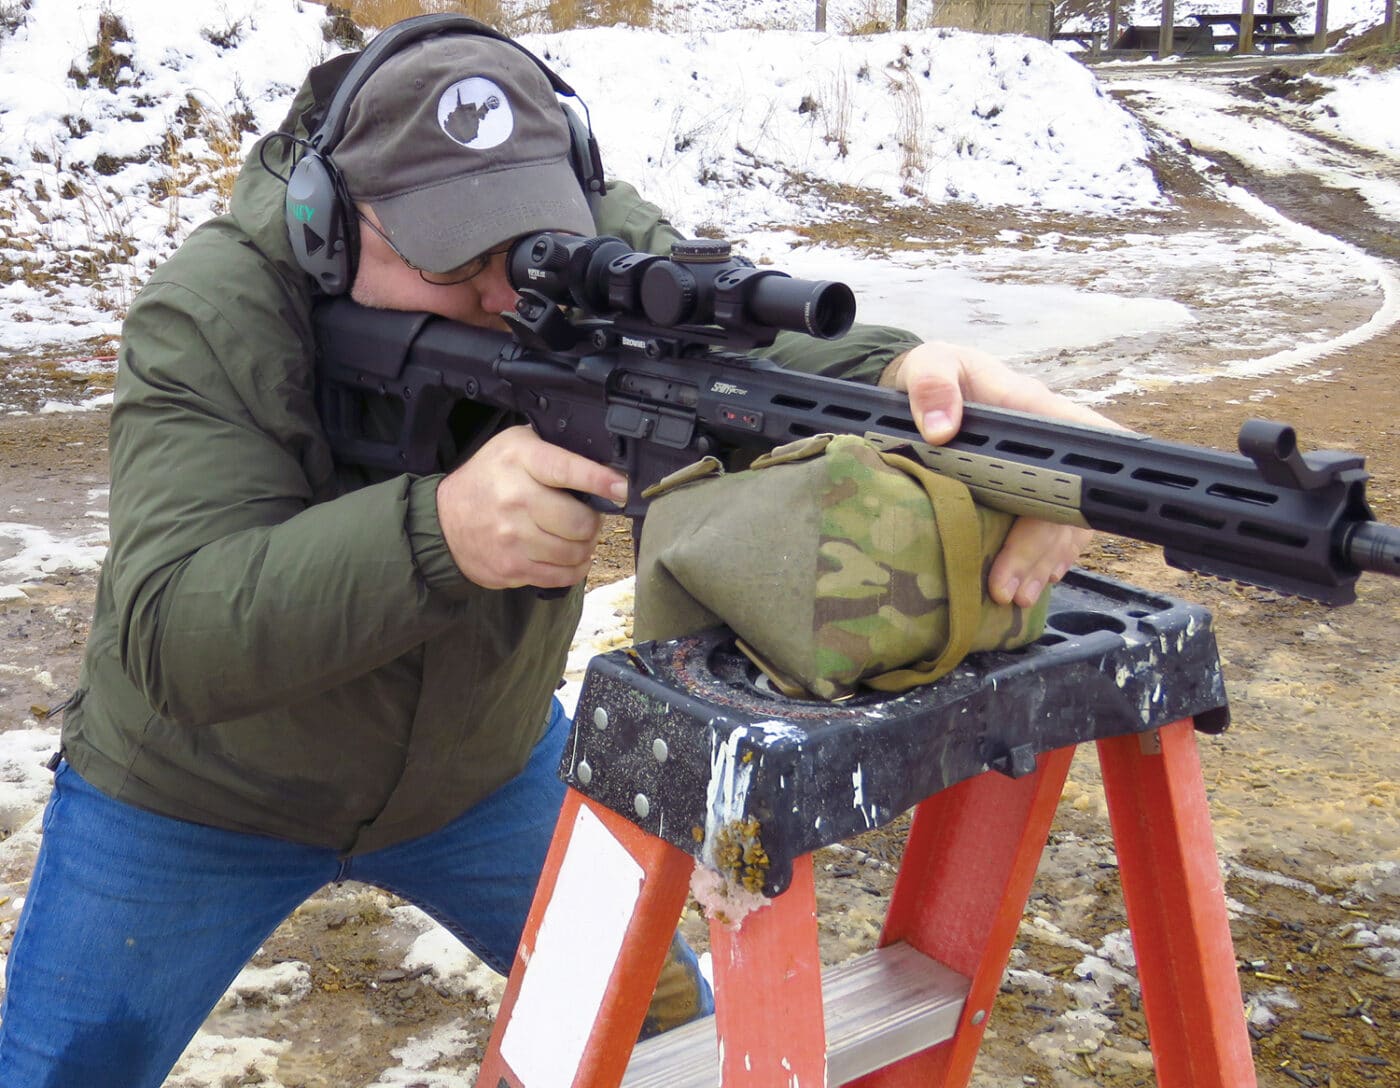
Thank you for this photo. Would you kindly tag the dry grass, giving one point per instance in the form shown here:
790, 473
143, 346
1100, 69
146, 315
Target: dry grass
380, 13
913, 154
544, 15
873, 17
1030, 17
105, 62
1371, 50
569, 14
204, 152
12, 15
836, 110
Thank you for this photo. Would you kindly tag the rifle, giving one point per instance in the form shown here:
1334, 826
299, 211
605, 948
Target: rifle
647, 371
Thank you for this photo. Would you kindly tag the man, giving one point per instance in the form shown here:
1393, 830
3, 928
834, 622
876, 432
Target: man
300, 672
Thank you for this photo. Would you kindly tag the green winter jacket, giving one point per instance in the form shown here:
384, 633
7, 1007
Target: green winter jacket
281, 644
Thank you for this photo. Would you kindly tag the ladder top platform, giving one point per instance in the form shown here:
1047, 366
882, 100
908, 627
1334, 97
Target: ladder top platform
685, 739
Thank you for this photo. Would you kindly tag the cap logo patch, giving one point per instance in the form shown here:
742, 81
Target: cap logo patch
476, 113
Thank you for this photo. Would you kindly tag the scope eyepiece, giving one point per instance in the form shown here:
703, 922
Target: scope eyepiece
565, 268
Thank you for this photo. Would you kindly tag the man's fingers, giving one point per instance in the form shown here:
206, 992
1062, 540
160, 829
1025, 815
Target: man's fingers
1035, 554
931, 375
565, 517
940, 377
555, 575
563, 470
939, 416
510, 519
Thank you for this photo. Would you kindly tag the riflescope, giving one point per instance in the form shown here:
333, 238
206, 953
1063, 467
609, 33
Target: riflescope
700, 284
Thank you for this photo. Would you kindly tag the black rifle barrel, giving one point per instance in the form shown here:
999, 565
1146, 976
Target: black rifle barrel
1371, 546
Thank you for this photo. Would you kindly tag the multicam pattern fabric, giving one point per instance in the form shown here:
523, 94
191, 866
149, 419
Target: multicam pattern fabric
834, 564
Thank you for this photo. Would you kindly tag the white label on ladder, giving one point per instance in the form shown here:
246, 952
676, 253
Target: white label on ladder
579, 943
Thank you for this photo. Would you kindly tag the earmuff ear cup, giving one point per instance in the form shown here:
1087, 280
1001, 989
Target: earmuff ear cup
584, 156
316, 213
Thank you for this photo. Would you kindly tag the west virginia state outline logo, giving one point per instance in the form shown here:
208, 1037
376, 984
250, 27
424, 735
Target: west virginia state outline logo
476, 113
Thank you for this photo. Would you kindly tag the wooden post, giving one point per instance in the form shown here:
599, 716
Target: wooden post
1246, 42
1319, 42
1112, 24
821, 15
1166, 43
901, 13
1390, 23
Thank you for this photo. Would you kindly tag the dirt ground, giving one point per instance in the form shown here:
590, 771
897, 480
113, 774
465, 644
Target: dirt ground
1304, 787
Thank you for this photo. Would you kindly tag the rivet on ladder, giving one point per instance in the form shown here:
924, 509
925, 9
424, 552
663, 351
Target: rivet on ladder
600, 718
641, 805
979, 1016
659, 750
585, 772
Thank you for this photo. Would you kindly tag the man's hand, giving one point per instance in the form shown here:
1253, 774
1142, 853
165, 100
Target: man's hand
939, 378
508, 517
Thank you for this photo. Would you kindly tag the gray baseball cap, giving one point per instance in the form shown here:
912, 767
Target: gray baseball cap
458, 143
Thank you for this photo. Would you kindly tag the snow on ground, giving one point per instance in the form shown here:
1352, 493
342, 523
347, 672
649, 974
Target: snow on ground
1349, 18
709, 120
710, 125
1356, 109
1101, 316
936, 116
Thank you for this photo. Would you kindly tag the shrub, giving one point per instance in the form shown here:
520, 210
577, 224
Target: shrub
105, 61
12, 15
340, 29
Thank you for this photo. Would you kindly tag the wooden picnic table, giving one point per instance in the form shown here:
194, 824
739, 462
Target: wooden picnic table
1271, 28
1090, 40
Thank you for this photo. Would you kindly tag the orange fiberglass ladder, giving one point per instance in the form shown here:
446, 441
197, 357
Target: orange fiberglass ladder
679, 754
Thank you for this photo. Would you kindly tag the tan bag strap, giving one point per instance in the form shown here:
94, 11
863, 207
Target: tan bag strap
801, 449
960, 532
704, 469
779, 679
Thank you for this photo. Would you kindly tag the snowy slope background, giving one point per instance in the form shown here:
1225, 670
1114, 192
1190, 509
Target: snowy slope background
102, 182
998, 119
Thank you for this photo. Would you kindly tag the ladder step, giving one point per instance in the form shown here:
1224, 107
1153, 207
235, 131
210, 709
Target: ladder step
879, 1008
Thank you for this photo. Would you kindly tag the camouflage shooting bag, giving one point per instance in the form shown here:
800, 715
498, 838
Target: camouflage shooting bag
836, 565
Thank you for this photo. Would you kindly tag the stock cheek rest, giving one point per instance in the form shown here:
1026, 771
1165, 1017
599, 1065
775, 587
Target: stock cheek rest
835, 565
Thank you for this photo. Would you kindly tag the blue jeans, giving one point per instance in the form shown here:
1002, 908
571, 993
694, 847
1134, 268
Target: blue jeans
135, 924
